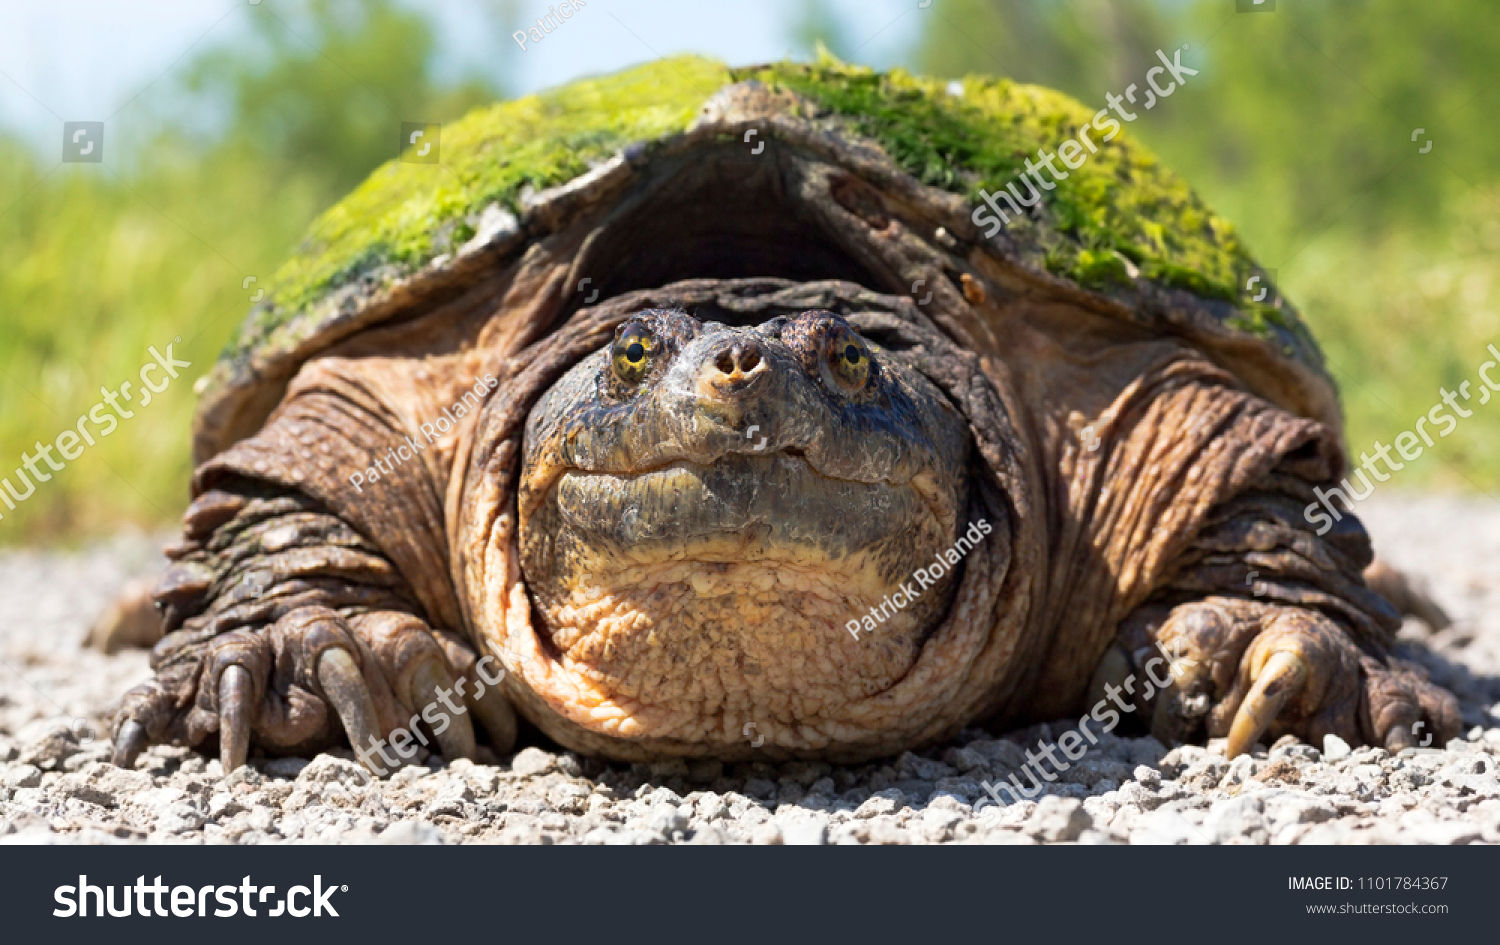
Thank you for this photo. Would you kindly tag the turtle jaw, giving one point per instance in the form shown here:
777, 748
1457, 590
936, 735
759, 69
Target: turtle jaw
688, 601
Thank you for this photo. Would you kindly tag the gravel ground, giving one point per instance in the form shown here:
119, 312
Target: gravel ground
57, 786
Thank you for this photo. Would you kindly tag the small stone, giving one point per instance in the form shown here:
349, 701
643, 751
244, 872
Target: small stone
224, 805
938, 824
805, 832
51, 750
261, 819
451, 799
412, 832
667, 820
532, 761
80, 788
243, 778
288, 768
484, 779
327, 769
1335, 748
1280, 770
710, 806
23, 776
879, 805
923, 769
181, 817
194, 764
1149, 777
760, 788
663, 795
1238, 820
767, 834
885, 831
966, 759
569, 797
1059, 819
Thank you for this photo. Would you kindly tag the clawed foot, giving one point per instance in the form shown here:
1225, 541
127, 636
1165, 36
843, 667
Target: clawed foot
1249, 671
384, 681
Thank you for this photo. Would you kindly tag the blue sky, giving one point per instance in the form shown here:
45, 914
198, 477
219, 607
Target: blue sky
85, 60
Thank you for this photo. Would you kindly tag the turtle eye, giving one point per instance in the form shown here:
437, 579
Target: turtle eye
849, 359
632, 353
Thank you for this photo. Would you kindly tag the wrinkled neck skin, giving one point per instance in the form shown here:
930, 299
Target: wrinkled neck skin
743, 549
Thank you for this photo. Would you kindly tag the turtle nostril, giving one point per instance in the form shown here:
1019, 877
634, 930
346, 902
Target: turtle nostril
737, 369
738, 360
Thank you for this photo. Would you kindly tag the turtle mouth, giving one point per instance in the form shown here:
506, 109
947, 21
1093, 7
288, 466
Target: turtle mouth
779, 497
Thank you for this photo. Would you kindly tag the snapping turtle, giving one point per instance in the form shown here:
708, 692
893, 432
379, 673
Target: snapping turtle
699, 412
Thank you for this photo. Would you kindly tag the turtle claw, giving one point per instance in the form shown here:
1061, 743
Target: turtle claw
433, 685
130, 740
1279, 678
1400, 737
344, 687
236, 706
495, 714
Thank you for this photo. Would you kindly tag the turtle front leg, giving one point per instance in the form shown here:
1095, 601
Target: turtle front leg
291, 632
1269, 630
1245, 670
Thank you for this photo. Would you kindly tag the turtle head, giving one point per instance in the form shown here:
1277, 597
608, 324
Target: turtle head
724, 525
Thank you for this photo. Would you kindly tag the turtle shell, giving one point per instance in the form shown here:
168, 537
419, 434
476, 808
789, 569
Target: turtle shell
665, 166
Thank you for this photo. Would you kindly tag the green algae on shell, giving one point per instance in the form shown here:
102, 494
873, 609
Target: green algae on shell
1120, 227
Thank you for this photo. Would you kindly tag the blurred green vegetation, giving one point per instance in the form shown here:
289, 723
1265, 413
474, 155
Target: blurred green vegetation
103, 261
1297, 128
